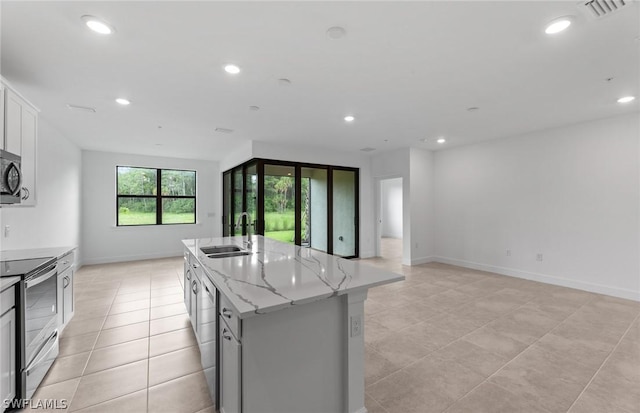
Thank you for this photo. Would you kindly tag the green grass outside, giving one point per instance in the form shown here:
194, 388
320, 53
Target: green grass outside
284, 236
275, 221
149, 218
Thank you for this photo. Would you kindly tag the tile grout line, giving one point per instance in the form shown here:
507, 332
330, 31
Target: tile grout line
518, 355
479, 327
458, 339
93, 349
550, 331
605, 361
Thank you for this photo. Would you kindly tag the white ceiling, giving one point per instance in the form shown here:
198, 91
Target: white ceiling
405, 70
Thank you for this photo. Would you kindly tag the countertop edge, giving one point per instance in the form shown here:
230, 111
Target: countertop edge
244, 314
7, 282
25, 254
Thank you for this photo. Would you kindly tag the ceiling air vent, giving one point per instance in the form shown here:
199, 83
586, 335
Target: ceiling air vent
81, 108
224, 130
597, 9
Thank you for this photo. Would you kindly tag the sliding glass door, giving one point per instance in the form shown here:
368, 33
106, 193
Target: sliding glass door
345, 213
280, 202
311, 205
314, 208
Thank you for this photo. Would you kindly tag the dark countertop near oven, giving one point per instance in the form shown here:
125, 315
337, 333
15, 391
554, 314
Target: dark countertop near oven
55, 252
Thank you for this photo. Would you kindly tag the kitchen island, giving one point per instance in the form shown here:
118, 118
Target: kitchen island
283, 324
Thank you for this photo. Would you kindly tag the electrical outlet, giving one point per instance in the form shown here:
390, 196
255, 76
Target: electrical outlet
356, 325
508, 253
7, 231
539, 257
416, 245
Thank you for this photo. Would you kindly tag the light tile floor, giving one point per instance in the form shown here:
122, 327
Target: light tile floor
130, 346
445, 339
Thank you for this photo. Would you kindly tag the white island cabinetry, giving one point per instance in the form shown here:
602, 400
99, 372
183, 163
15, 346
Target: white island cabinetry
290, 326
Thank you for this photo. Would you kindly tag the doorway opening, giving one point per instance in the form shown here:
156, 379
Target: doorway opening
390, 219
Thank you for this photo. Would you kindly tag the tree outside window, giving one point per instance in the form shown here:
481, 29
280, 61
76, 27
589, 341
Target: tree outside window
140, 203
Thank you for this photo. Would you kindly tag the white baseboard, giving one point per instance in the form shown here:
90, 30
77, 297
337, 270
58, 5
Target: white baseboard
423, 260
125, 258
545, 278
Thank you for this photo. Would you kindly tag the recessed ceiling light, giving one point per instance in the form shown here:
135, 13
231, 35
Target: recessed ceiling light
224, 130
254, 108
123, 101
368, 149
441, 140
558, 25
473, 109
98, 25
336, 32
233, 69
284, 82
349, 118
626, 99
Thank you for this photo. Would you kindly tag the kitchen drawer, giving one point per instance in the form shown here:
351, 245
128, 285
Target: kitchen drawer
65, 262
7, 299
229, 316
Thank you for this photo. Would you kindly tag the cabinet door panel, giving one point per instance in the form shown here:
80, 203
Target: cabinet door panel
230, 373
28, 166
8, 356
2, 97
13, 123
67, 284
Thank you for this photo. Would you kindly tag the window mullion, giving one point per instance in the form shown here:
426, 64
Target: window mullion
159, 197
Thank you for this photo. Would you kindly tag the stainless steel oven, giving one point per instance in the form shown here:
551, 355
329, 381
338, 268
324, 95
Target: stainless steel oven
40, 334
10, 178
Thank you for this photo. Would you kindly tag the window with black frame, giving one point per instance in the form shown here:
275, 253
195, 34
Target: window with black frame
150, 196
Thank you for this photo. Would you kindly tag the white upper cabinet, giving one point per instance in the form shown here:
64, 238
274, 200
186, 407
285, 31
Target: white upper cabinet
20, 126
2, 115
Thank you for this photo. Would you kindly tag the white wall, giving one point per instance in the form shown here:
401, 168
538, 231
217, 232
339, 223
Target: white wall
104, 242
421, 168
55, 220
391, 202
571, 194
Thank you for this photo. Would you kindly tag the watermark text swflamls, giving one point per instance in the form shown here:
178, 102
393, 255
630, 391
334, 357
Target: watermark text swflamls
36, 404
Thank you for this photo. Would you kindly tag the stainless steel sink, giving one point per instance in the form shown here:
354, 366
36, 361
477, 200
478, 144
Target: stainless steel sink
220, 249
229, 254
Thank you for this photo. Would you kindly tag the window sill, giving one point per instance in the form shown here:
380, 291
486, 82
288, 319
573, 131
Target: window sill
154, 226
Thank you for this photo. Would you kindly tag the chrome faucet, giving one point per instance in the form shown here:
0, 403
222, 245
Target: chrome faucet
239, 222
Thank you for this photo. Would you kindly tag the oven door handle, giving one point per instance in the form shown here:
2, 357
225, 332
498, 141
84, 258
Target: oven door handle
36, 361
40, 278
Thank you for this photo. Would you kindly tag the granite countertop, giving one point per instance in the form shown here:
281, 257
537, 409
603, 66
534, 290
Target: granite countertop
279, 275
6, 282
55, 252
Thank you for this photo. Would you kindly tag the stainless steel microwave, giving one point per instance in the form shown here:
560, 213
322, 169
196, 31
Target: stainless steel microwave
10, 178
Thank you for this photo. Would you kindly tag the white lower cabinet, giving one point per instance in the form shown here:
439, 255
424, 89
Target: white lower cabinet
66, 306
8, 353
67, 296
230, 371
